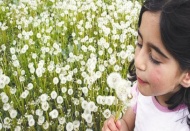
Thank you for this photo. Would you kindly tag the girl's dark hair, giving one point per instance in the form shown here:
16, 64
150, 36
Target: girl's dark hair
175, 35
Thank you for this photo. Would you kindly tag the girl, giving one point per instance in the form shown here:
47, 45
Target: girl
162, 69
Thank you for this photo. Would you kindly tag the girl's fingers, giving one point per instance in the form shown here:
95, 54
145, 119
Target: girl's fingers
105, 127
118, 124
111, 124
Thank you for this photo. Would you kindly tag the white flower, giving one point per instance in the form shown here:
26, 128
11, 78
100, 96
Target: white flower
41, 120
6, 106
112, 60
39, 35
13, 113
76, 101
4, 80
107, 113
39, 71
39, 112
84, 104
13, 90
54, 114
76, 124
79, 81
91, 106
7, 120
4, 98
69, 126
112, 79
14, 57
123, 90
63, 89
45, 105
59, 99
123, 54
61, 120
88, 118
53, 94
2, 84
24, 94
17, 128
46, 125
3, 47
88, 129
109, 100
16, 63
99, 99
130, 48
55, 80
43, 97
98, 74
12, 50
29, 117
85, 90
32, 70
70, 91
131, 57
31, 122
30, 86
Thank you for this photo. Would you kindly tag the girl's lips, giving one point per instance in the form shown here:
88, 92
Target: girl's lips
141, 81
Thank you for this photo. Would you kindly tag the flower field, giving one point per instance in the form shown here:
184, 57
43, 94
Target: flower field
55, 58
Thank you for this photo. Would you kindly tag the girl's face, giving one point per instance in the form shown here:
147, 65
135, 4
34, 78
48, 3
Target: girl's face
158, 73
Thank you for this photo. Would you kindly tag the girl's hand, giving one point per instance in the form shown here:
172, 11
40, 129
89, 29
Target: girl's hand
112, 125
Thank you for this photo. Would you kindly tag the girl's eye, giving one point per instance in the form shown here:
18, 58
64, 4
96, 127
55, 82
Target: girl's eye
153, 60
139, 45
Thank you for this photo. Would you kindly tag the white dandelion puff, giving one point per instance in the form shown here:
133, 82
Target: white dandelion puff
107, 113
69, 126
54, 114
112, 79
53, 94
123, 90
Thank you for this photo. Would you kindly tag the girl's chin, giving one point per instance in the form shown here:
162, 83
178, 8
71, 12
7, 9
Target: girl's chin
142, 89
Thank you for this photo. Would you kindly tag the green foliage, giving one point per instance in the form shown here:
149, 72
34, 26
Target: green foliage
53, 50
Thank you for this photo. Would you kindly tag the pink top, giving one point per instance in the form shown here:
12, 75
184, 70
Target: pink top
151, 116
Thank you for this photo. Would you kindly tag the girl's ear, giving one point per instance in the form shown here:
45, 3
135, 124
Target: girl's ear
186, 80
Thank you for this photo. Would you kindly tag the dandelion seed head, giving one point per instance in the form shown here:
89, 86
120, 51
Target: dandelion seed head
59, 99
17, 128
46, 125
69, 126
30, 86
24, 94
4, 98
44, 105
39, 112
107, 113
112, 79
41, 120
70, 91
54, 114
13, 113
123, 89
53, 94
6, 106
43, 97
63, 89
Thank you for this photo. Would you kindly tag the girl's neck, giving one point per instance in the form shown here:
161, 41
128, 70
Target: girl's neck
161, 100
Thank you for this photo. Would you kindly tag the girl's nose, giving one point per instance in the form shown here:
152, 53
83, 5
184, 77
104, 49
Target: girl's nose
140, 62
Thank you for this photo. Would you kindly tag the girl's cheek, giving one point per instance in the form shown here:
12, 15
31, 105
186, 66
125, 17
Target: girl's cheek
154, 77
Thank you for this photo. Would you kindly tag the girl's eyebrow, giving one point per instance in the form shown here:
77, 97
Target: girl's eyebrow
153, 46
156, 49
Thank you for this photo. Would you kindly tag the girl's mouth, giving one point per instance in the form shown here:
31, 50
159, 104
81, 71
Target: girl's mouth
140, 81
